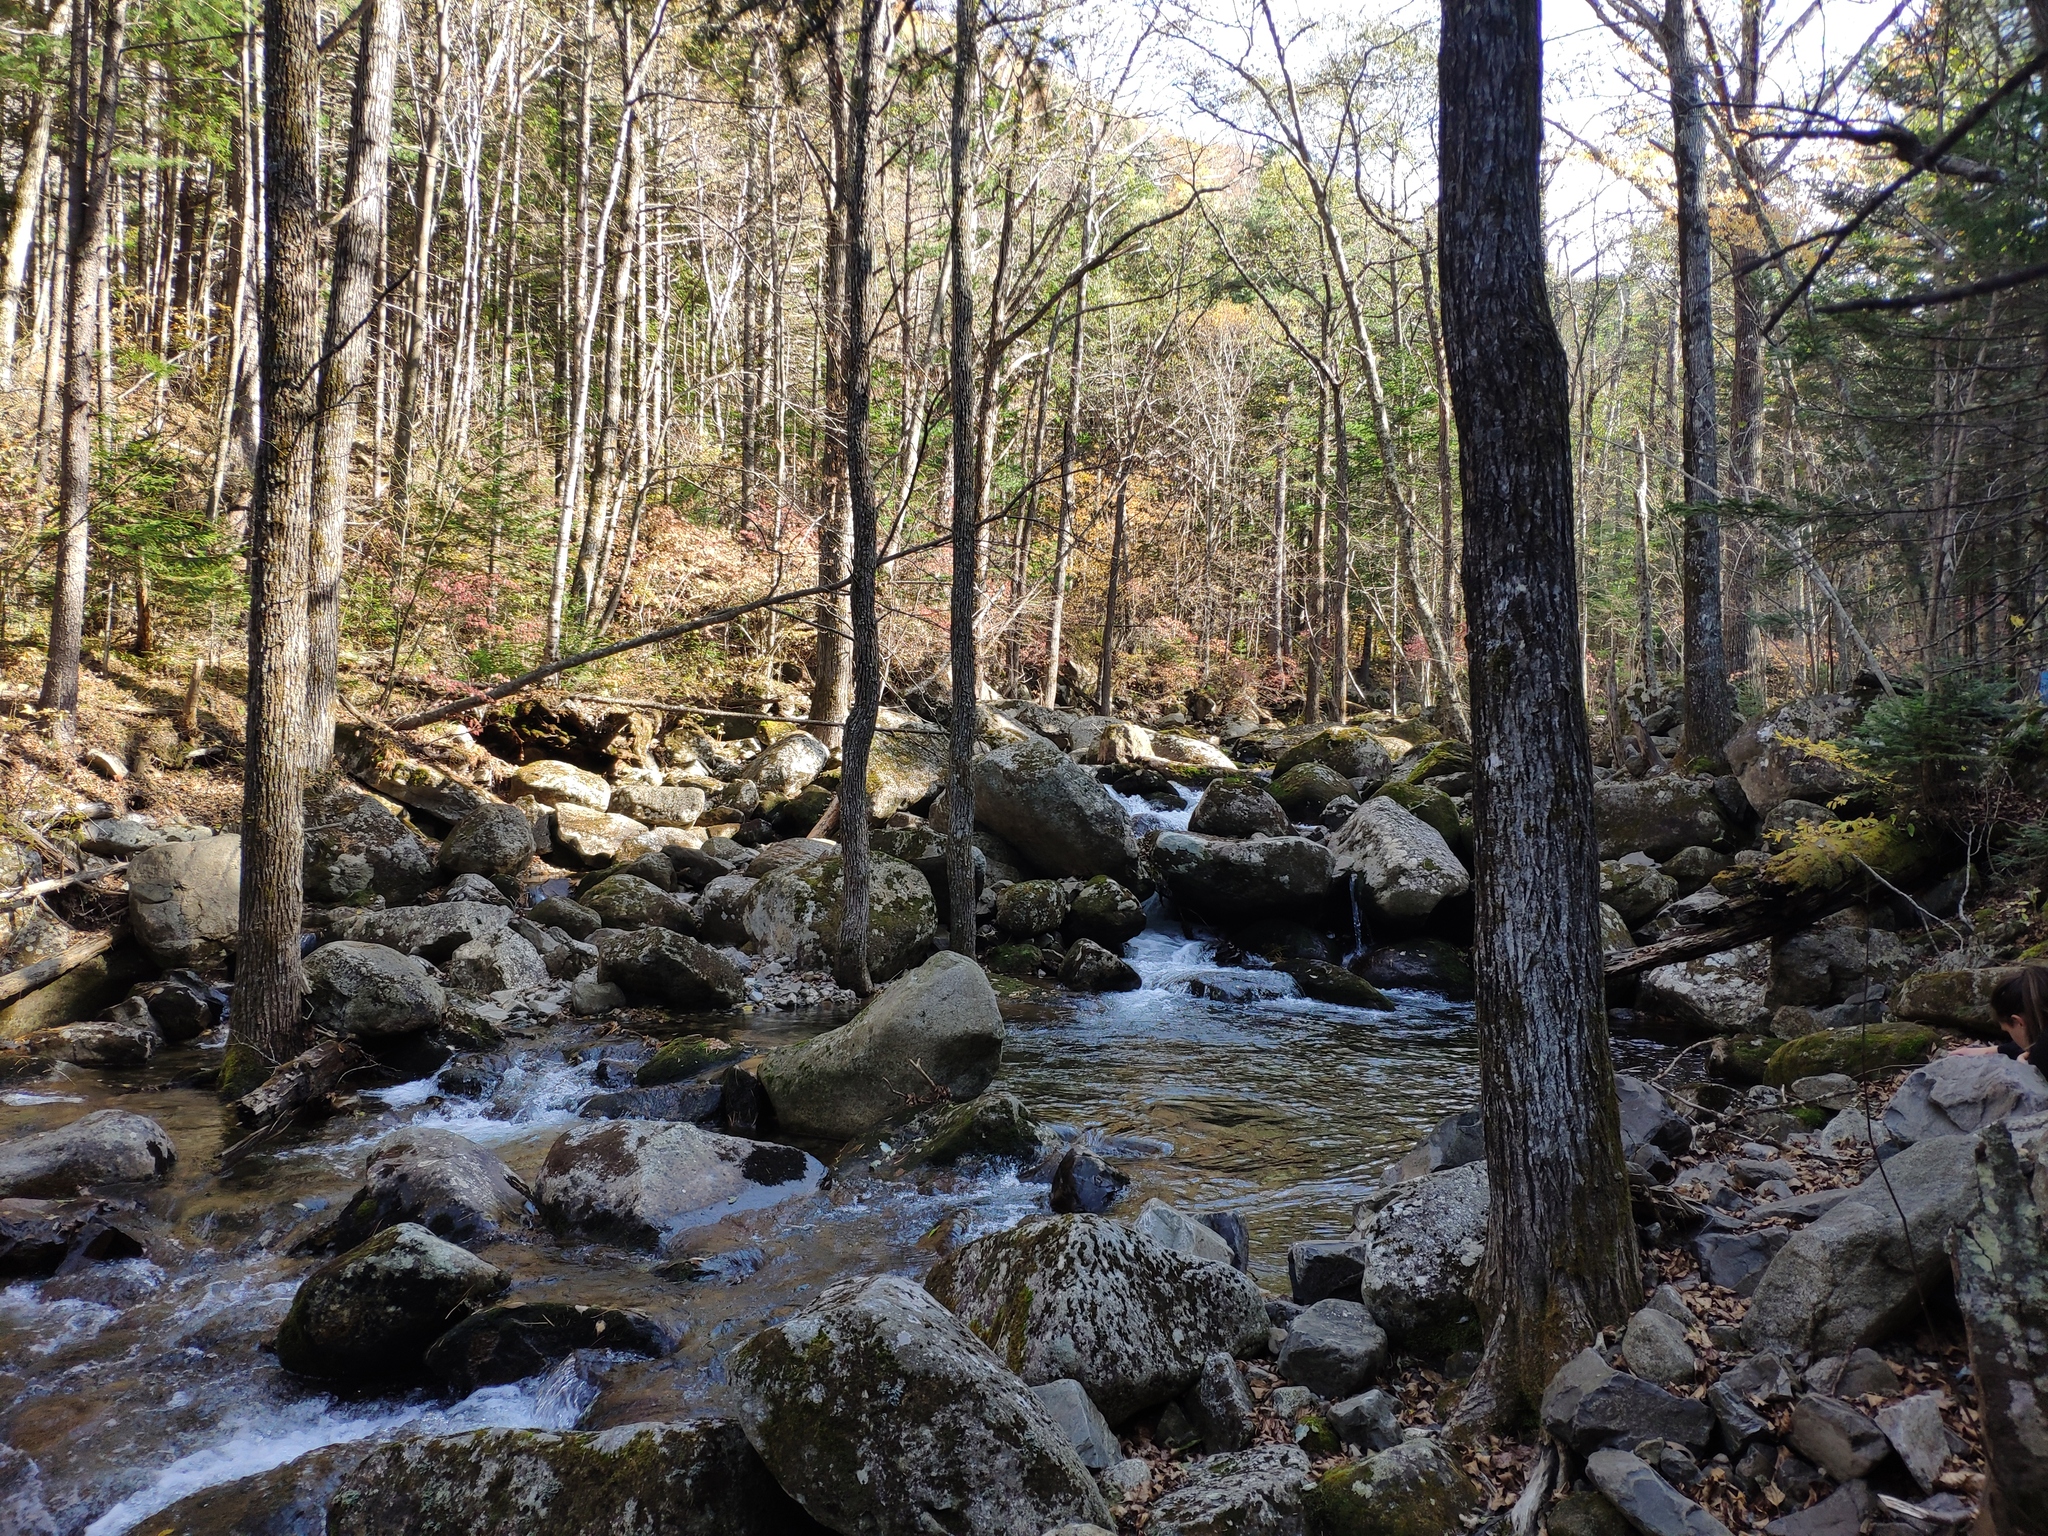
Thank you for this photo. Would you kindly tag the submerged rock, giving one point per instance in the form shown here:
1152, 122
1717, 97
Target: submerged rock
1087, 1297
879, 1412
511, 1342
108, 1146
935, 1035
371, 1313
640, 1182
37, 1237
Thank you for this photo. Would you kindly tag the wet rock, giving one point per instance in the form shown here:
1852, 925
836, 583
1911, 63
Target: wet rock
1081, 1421
1255, 1492
434, 1179
288, 1500
1349, 751
1649, 1504
1333, 1348
511, 1342
681, 1058
995, 1125
1959, 1095
1333, 984
572, 917
1856, 1274
1404, 863
432, 933
1657, 816
495, 841
371, 1313
1088, 967
184, 900
1034, 796
1635, 887
1219, 1405
1590, 1406
1655, 1348
1406, 1490
1306, 790
794, 914
661, 968
503, 962
626, 902
874, 1406
1087, 1297
108, 1146
356, 851
667, 805
702, 1103
1422, 1248
1421, 965
1084, 1184
1914, 1428
697, 1477
1458, 1140
1030, 908
558, 784
1104, 912
1717, 994
1238, 881
98, 1043
1233, 807
934, 1035
367, 991
640, 1182
588, 839
38, 1237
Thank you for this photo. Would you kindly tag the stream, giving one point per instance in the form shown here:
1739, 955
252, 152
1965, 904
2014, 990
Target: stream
132, 1384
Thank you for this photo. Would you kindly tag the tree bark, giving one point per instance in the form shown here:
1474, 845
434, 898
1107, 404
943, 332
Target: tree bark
854, 800
1646, 606
832, 679
268, 1028
426, 202
1070, 435
21, 230
1561, 1256
1105, 668
1709, 703
91, 154
966, 494
357, 241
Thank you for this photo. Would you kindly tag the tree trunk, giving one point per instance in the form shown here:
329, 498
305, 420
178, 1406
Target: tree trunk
852, 966
1105, 667
1709, 705
268, 1028
1070, 434
347, 346
1560, 1250
1646, 605
966, 495
91, 150
1746, 387
426, 200
21, 230
832, 681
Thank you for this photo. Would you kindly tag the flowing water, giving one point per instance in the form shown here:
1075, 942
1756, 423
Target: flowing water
129, 1385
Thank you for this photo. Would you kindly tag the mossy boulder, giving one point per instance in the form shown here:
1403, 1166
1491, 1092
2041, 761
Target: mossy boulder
1429, 805
794, 914
1306, 788
874, 1405
627, 901
1413, 1489
1586, 1513
1090, 1298
698, 1477
1422, 965
1328, 983
1239, 807
1742, 1059
1857, 1051
1348, 751
683, 1057
370, 1314
995, 1126
1106, 912
1030, 908
1833, 855
1022, 961
1955, 999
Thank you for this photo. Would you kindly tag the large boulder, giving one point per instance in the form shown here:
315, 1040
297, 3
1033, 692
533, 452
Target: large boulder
367, 990
666, 969
108, 1146
934, 1036
1719, 994
1774, 761
1349, 751
1658, 816
1830, 965
504, 962
371, 1313
1858, 1273
495, 841
1238, 808
1306, 789
1030, 908
1090, 1298
357, 851
1960, 1094
435, 1179
185, 900
1405, 1490
1858, 1050
514, 1340
696, 1477
659, 805
1635, 887
794, 914
786, 765
1404, 864
641, 1182
625, 901
1239, 881
1033, 795
1953, 999
1254, 1492
559, 784
1106, 913
1590, 1406
433, 933
1421, 1249
906, 764
588, 839
881, 1414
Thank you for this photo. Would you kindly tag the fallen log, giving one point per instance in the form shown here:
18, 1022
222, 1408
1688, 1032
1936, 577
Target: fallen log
309, 1076
1744, 922
9, 900
32, 977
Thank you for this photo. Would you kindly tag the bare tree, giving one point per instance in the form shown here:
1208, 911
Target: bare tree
1560, 1247
966, 717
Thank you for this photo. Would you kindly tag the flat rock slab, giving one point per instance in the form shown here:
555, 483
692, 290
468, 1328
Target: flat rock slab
641, 1182
108, 1146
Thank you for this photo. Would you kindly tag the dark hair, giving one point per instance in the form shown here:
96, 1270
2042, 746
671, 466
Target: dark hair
2024, 996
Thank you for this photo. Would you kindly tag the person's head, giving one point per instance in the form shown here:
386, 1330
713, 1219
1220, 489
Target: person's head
2020, 1004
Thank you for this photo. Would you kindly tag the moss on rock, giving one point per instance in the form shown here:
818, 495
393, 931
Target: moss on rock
1863, 1049
1413, 1489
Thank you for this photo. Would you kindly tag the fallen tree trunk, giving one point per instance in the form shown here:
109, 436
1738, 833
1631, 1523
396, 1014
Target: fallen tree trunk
308, 1077
9, 900
1747, 920
31, 977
